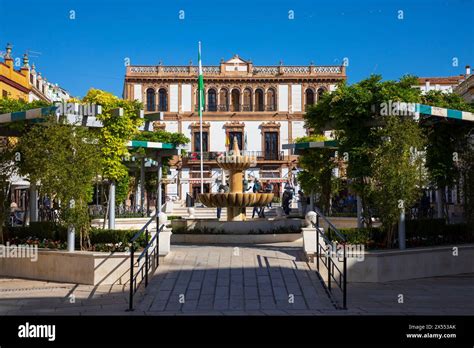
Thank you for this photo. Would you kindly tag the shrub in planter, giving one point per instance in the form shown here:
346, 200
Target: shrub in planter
174, 217
370, 237
106, 236
40, 229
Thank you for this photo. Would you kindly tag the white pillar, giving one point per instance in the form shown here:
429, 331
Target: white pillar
401, 230
158, 195
142, 185
112, 206
71, 233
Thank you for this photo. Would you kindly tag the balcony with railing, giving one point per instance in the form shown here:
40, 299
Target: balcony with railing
213, 155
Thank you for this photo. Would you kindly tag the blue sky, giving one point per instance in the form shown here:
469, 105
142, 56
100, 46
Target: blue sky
89, 51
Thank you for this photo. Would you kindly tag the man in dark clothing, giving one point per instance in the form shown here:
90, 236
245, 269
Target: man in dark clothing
287, 196
222, 189
257, 187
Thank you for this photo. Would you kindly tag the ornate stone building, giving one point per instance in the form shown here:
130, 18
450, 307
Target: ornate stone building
261, 106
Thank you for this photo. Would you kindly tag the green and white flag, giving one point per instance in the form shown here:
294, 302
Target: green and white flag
200, 82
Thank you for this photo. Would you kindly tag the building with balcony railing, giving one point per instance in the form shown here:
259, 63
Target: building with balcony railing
261, 106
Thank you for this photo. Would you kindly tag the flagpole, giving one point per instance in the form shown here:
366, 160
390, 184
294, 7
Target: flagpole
200, 118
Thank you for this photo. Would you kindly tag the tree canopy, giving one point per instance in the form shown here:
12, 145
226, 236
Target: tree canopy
381, 167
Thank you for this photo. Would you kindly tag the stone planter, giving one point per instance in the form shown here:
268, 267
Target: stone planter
165, 242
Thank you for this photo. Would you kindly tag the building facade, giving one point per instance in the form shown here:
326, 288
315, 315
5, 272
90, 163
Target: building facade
466, 88
42, 89
261, 106
26, 83
14, 84
446, 84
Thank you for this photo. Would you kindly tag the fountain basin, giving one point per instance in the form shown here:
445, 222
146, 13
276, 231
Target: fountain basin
235, 199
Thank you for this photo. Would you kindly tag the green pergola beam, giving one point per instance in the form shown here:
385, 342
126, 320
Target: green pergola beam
443, 112
150, 144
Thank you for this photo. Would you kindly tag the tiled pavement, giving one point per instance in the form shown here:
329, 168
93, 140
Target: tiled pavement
270, 279
247, 280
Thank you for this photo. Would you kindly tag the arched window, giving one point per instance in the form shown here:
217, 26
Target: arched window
259, 102
271, 100
235, 98
321, 91
150, 99
212, 100
223, 100
162, 100
309, 97
247, 100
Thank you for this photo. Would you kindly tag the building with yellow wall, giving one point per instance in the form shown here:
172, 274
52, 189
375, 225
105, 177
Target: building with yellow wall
14, 84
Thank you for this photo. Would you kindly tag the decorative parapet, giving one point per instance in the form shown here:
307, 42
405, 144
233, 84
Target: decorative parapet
159, 71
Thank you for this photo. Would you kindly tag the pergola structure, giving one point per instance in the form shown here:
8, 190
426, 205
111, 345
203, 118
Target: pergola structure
421, 112
153, 150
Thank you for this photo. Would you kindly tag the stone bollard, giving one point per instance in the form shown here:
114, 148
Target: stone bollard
309, 236
191, 212
310, 219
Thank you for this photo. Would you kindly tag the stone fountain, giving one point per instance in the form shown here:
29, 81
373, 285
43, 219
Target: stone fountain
236, 200
235, 229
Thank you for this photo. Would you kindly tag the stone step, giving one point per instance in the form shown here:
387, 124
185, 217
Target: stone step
212, 212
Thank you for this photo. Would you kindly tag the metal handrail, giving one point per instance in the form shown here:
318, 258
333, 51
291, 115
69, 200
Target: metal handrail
144, 269
334, 228
139, 233
341, 278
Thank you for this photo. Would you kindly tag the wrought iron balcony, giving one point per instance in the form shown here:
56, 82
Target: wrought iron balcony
259, 155
206, 156
266, 155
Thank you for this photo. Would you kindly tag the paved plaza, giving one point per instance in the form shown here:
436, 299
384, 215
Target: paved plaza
243, 280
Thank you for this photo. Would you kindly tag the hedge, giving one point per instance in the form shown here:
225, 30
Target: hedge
55, 232
423, 232
41, 230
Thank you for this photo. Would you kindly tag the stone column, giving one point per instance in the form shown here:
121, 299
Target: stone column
112, 206
159, 195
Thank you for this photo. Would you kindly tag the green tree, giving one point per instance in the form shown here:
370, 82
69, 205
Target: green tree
316, 175
7, 169
353, 113
447, 143
63, 159
114, 134
8, 154
396, 167
116, 130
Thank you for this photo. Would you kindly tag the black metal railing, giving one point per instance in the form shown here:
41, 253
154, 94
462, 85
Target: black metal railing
259, 155
206, 156
325, 255
150, 255
266, 155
